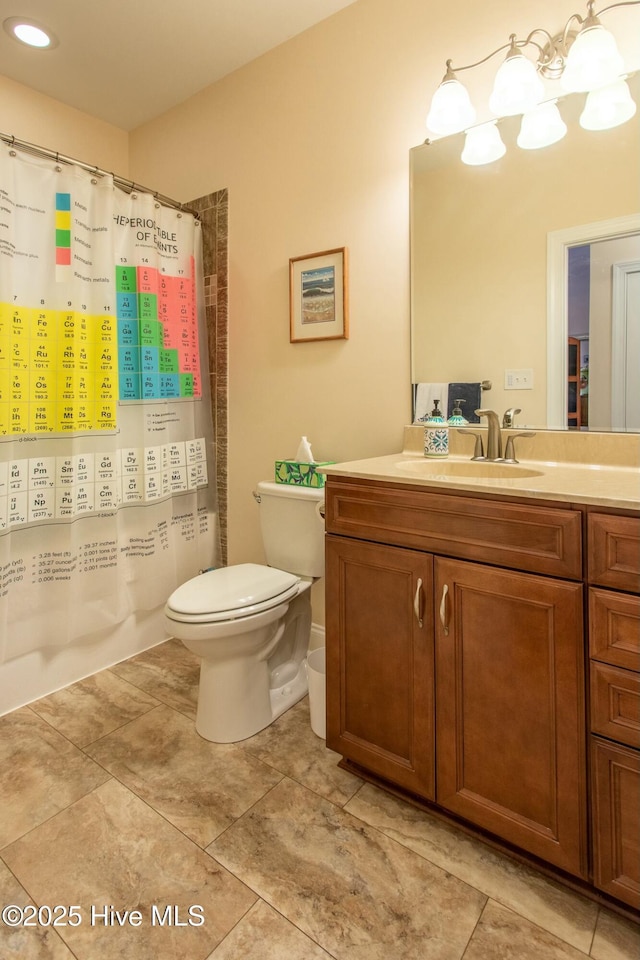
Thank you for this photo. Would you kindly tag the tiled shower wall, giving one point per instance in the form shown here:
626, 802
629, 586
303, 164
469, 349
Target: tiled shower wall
213, 211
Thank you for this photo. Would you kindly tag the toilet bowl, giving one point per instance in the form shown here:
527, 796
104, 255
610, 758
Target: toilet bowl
250, 623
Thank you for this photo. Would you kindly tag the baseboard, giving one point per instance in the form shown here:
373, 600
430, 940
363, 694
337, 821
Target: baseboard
317, 638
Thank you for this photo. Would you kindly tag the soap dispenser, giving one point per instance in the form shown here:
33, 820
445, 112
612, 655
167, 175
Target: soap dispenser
436, 434
457, 418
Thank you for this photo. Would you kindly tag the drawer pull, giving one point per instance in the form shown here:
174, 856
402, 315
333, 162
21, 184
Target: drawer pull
418, 602
443, 610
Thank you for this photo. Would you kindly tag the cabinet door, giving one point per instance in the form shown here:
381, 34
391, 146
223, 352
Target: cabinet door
615, 775
379, 634
510, 707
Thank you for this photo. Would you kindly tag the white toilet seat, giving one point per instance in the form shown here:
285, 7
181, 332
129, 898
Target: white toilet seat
231, 593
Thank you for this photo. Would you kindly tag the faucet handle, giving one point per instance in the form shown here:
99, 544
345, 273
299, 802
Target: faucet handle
478, 452
509, 453
510, 416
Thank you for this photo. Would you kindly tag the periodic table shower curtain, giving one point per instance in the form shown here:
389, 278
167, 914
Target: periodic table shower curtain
107, 492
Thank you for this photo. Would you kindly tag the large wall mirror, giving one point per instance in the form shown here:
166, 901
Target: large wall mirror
492, 252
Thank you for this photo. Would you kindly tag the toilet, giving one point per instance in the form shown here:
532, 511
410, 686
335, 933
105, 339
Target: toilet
250, 624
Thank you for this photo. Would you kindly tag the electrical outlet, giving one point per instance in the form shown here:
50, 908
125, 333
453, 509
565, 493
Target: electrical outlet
518, 379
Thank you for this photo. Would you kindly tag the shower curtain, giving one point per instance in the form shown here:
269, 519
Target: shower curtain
107, 492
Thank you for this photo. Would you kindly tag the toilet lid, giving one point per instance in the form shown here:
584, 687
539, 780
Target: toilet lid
239, 590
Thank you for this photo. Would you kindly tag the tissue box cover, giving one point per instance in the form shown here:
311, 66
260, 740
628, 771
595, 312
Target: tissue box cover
301, 474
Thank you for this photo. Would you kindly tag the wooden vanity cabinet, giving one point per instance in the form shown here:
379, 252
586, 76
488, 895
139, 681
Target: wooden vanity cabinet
614, 650
455, 657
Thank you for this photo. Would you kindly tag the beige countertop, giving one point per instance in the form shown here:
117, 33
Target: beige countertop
613, 484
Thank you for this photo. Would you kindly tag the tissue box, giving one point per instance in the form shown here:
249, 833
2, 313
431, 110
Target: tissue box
301, 474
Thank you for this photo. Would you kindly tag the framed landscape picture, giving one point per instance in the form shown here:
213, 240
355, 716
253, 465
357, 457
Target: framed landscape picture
318, 308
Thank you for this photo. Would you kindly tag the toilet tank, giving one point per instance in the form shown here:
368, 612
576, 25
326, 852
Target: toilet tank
292, 527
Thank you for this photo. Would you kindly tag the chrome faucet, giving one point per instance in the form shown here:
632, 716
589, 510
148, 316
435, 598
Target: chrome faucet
494, 437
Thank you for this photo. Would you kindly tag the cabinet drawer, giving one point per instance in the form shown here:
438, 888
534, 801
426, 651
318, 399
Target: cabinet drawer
614, 551
536, 539
614, 628
615, 703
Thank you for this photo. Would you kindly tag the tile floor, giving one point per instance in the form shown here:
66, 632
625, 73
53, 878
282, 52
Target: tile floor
110, 802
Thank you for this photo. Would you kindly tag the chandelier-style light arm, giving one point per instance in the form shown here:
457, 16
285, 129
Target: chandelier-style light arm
583, 56
553, 46
513, 41
623, 3
544, 55
592, 17
562, 40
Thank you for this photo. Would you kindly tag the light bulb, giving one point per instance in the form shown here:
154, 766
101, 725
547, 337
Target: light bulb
608, 107
30, 33
593, 60
451, 109
483, 144
516, 88
33, 36
541, 127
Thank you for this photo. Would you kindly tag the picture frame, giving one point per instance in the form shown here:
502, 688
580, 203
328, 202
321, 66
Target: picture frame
318, 303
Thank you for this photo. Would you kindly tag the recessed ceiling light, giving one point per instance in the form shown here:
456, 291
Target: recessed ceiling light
30, 32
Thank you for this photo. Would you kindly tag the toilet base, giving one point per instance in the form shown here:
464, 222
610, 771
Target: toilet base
289, 693
217, 721
239, 698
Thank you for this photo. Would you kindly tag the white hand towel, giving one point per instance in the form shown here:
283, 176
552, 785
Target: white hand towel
425, 394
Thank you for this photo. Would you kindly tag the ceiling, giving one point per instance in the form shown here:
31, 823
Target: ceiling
127, 61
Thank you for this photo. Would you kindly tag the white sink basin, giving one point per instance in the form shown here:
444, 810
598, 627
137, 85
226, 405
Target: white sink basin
481, 469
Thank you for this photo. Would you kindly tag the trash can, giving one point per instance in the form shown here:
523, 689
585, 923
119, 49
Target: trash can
316, 675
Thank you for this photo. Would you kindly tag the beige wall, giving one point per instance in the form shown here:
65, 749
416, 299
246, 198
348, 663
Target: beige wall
313, 142
31, 116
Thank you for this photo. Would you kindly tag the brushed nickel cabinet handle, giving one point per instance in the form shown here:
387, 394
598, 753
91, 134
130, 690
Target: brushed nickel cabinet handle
443, 610
418, 604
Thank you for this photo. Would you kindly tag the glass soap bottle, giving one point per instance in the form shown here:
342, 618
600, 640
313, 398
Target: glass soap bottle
436, 434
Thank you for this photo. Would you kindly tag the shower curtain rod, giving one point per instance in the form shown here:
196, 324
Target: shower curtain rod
128, 186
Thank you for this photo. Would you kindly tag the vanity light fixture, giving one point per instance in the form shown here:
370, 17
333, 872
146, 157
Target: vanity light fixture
608, 107
593, 59
517, 86
451, 108
30, 32
483, 144
583, 57
541, 127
